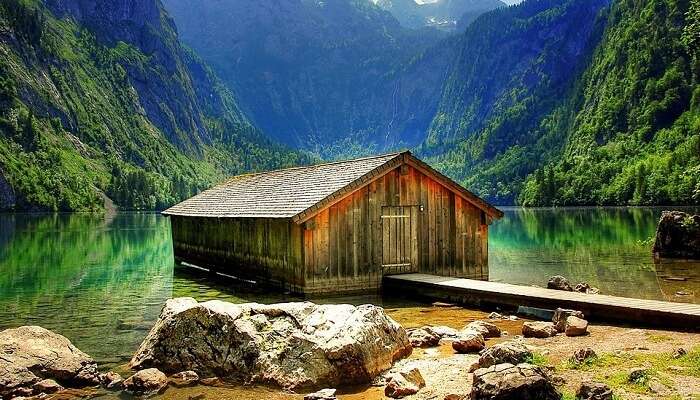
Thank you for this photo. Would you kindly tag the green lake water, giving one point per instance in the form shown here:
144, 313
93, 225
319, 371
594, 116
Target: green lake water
101, 281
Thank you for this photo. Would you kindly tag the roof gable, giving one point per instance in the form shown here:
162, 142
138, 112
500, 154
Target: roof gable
302, 192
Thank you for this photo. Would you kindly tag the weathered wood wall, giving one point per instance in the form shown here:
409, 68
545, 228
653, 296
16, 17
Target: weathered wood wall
343, 245
255, 248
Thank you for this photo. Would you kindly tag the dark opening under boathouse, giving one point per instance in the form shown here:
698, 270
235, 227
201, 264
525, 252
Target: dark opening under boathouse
337, 227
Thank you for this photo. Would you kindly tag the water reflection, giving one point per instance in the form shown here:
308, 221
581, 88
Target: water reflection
609, 248
102, 281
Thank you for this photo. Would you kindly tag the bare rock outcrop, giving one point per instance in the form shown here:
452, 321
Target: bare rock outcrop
513, 382
33, 359
678, 235
292, 345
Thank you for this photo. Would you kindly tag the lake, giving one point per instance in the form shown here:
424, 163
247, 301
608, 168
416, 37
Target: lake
102, 280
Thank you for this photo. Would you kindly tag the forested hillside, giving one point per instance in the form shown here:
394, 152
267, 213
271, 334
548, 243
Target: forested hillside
608, 120
505, 100
99, 99
635, 137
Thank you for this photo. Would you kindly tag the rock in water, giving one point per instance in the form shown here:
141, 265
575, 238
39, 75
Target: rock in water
513, 382
146, 382
468, 343
423, 337
594, 391
539, 330
576, 326
678, 235
560, 316
558, 282
293, 345
404, 383
323, 394
31, 354
485, 328
511, 352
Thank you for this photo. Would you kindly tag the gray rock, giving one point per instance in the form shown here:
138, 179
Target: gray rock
323, 394
423, 337
111, 380
404, 383
292, 345
576, 326
445, 332
581, 355
30, 354
511, 352
485, 328
539, 330
678, 236
638, 375
468, 343
47, 386
594, 391
513, 382
146, 382
558, 282
184, 378
560, 316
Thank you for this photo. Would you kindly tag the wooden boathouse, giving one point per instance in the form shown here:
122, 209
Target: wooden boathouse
338, 227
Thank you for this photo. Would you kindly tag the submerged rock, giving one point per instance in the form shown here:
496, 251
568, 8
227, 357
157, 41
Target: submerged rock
539, 330
293, 345
513, 382
32, 354
146, 382
678, 235
558, 282
404, 383
184, 378
111, 380
510, 352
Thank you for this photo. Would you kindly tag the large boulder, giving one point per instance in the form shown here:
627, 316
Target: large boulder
538, 329
513, 382
292, 345
678, 235
469, 343
32, 355
510, 352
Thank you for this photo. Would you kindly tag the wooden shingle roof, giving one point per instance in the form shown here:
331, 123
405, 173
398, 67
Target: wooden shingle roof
300, 192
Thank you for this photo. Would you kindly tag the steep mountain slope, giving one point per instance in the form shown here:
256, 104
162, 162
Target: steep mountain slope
448, 15
635, 137
337, 77
98, 97
507, 93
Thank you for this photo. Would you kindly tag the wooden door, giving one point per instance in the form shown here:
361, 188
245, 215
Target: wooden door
399, 239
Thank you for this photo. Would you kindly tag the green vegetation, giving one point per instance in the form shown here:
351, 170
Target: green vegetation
619, 124
78, 123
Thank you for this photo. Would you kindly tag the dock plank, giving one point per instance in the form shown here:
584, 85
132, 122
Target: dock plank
600, 306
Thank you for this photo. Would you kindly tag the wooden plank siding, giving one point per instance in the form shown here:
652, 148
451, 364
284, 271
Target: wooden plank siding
403, 213
350, 244
269, 249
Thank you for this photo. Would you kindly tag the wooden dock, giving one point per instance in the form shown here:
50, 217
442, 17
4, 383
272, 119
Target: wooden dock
595, 307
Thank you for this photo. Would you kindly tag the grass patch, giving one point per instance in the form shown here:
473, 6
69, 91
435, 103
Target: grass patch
658, 338
538, 359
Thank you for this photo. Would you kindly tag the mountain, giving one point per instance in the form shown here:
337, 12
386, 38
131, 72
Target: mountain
99, 102
634, 135
447, 15
575, 103
506, 94
337, 78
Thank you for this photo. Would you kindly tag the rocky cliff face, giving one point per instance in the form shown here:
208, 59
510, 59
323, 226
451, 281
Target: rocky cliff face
101, 97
